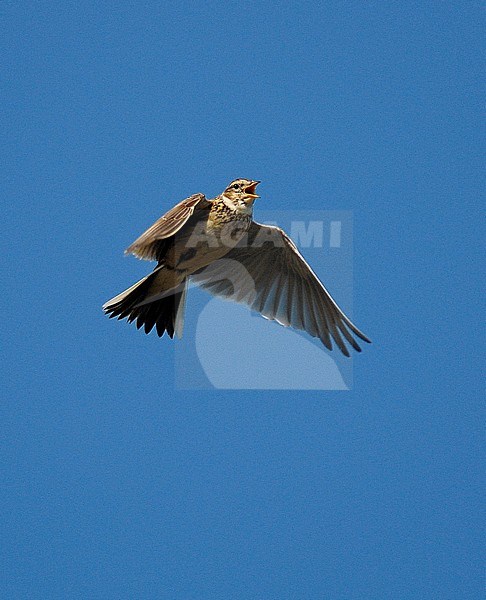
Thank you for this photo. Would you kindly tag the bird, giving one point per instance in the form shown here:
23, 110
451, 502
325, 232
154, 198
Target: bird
216, 244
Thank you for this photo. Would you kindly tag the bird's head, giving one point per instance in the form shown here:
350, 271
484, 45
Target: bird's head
241, 192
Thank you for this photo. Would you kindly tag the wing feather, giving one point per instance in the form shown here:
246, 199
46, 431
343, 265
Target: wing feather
152, 242
287, 290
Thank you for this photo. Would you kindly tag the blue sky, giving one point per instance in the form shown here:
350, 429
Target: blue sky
118, 485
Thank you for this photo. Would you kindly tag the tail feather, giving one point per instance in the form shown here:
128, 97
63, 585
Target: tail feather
166, 314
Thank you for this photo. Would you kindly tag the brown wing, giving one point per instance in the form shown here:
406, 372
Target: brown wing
268, 273
148, 245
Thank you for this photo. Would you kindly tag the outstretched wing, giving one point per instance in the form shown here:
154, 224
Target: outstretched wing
267, 272
149, 245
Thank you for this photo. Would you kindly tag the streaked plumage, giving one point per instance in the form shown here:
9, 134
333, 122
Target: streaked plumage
216, 244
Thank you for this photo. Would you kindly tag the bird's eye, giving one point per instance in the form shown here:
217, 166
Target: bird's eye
236, 187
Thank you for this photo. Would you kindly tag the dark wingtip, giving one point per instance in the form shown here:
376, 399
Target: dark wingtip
345, 351
361, 335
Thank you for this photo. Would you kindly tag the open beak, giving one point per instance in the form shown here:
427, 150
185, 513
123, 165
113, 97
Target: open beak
250, 189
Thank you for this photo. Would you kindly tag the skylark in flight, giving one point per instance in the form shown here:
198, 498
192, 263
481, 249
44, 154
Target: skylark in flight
217, 245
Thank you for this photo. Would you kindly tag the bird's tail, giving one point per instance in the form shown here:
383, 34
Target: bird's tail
164, 311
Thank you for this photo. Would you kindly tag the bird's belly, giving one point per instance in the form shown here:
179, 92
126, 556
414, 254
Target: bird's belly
191, 253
